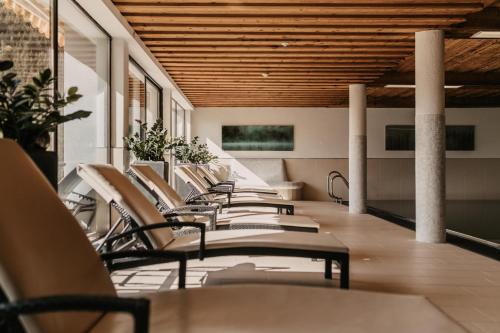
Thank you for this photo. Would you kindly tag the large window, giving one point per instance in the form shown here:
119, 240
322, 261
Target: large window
84, 53
144, 98
82, 59
178, 119
137, 100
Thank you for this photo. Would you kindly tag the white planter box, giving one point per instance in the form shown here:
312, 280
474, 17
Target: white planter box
160, 167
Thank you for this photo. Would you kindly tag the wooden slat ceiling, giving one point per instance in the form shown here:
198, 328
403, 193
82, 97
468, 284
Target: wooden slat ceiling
465, 55
288, 52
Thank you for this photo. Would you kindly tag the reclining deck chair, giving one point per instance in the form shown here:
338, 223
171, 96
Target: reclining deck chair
212, 179
170, 201
56, 283
117, 189
196, 173
200, 190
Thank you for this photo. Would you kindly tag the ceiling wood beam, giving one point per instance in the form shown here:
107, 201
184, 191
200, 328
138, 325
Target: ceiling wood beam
486, 20
331, 9
295, 21
451, 78
289, 2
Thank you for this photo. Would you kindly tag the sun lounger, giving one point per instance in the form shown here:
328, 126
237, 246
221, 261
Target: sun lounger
224, 193
205, 172
170, 201
154, 232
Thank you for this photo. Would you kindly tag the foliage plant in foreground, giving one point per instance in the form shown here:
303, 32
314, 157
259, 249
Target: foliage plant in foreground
29, 113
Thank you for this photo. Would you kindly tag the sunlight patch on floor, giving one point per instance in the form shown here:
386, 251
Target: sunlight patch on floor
225, 270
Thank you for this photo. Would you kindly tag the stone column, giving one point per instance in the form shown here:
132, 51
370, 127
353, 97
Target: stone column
357, 149
430, 150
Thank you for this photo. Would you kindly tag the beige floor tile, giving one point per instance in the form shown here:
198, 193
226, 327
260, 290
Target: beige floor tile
384, 258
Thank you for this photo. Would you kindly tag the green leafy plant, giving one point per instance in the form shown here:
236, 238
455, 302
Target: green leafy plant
29, 113
191, 152
149, 145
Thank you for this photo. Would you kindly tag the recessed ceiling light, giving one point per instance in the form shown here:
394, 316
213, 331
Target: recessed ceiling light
284, 44
265, 75
486, 34
413, 86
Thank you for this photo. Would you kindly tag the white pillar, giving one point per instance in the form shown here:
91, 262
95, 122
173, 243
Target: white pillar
357, 149
430, 150
119, 102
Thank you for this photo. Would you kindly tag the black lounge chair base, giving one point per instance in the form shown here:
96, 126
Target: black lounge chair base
248, 242
243, 226
289, 209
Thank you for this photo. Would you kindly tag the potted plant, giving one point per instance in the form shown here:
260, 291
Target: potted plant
192, 152
29, 113
149, 146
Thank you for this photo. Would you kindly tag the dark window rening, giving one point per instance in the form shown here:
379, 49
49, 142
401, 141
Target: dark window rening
460, 137
402, 137
258, 137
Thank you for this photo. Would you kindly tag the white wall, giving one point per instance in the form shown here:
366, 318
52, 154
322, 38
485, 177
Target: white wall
323, 132
319, 132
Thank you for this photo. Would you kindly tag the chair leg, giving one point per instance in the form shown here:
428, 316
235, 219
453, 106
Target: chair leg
344, 272
328, 269
182, 274
109, 234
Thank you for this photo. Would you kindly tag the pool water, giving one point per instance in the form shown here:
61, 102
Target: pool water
476, 218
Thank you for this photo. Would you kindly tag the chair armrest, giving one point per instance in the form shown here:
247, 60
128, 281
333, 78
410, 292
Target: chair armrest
212, 192
137, 230
230, 182
193, 208
148, 255
221, 189
137, 307
232, 185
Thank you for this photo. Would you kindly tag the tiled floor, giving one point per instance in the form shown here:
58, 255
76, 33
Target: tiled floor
384, 257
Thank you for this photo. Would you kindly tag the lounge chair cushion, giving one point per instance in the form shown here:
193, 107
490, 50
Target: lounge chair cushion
43, 250
266, 309
157, 184
255, 199
255, 219
264, 238
249, 217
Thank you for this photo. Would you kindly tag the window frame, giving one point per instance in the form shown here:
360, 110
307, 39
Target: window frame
54, 5
148, 80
